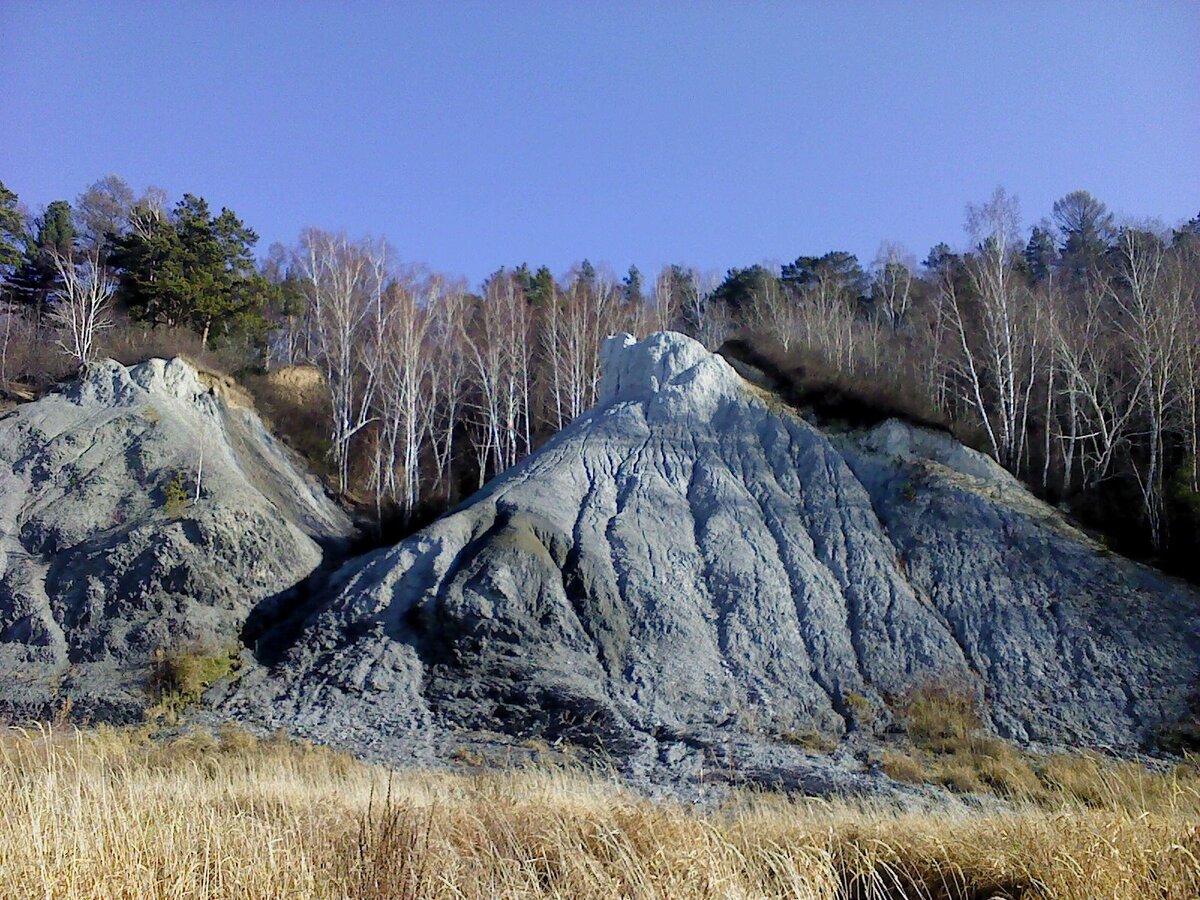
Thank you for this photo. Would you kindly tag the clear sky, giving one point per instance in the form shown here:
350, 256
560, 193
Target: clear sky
474, 135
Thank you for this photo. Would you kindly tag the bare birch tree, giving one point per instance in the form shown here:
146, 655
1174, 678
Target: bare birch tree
498, 348
1152, 298
81, 306
448, 373
893, 283
344, 294
998, 346
1098, 398
402, 400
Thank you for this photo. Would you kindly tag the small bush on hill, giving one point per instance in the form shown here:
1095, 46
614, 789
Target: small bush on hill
180, 675
175, 496
941, 717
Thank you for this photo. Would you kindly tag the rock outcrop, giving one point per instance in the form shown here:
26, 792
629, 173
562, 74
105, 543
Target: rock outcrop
141, 508
692, 572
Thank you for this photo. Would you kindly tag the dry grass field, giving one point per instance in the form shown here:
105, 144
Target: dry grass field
115, 814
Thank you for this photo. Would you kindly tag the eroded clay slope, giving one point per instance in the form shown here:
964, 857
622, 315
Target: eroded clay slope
690, 566
99, 567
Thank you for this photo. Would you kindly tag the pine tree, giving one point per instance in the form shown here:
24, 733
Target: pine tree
940, 255
194, 270
1088, 231
1040, 254
742, 287
631, 286
587, 275
541, 290
839, 266
36, 277
12, 230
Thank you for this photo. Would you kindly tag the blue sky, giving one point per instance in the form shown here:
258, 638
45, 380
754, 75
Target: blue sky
474, 135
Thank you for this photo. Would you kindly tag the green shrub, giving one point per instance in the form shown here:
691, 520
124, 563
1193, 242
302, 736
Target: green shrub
175, 496
180, 676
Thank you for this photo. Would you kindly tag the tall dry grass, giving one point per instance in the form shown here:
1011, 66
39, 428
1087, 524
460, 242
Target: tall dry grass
108, 814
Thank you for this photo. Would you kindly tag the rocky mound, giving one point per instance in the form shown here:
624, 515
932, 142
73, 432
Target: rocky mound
141, 508
691, 573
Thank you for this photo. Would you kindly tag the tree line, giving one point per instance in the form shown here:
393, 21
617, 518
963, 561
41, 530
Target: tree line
1068, 351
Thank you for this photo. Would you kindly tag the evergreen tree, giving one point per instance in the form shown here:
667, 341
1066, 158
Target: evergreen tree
631, 286
842, 267
940, 255
12, 229
1087, 229
587, 275
945, 267
1188, 233
542, 290
741, 286
1040, 254
524, 278
192, 269
36, 277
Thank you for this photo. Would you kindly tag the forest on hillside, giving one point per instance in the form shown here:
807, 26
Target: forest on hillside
1069, 351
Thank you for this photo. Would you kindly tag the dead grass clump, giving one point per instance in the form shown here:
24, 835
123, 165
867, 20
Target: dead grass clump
941, 717
904, 767
950, 747
295, 408
110, 813
302, 381
810, 739
130, 343
1009, 774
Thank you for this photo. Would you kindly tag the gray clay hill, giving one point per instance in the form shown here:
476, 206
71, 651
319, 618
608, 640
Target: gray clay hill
108, 552
691, 572
682, 581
